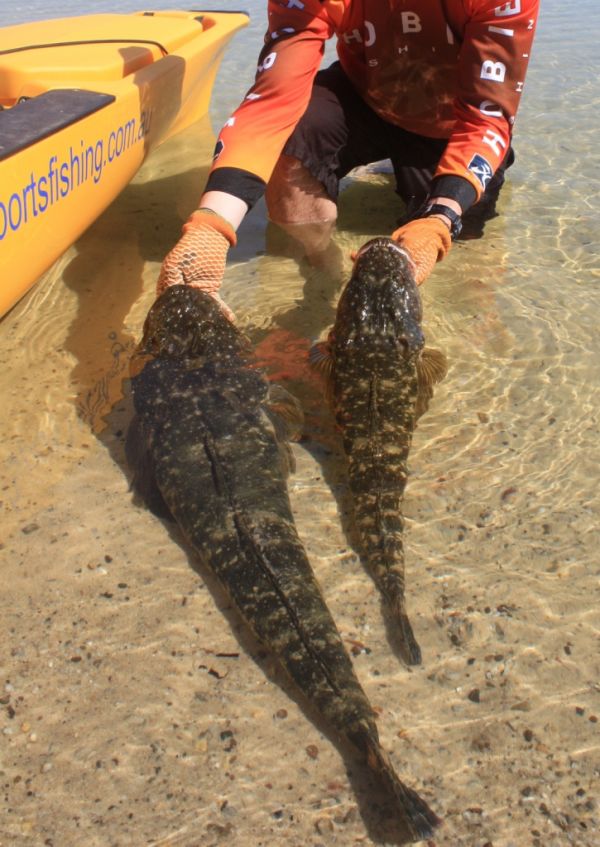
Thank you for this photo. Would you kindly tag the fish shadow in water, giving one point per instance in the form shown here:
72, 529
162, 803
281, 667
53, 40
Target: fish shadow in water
376, 810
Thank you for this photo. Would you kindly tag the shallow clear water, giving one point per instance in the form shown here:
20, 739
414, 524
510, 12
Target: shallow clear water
136, 709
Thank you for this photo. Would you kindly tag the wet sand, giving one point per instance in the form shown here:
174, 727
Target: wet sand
135, 709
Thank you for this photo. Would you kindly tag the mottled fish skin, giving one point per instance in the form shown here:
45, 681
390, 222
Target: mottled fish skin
380, 382
206, 428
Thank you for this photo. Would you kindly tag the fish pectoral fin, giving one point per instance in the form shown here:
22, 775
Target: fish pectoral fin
320, 358
287, 458
432, 367
285, 413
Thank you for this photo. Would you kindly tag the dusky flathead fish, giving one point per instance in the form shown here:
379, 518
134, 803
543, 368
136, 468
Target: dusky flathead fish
380, 379
208, 445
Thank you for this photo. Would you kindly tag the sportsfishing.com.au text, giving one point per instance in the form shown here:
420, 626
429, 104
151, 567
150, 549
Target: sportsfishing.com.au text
66, 173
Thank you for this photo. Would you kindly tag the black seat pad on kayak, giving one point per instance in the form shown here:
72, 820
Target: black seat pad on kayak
38, 117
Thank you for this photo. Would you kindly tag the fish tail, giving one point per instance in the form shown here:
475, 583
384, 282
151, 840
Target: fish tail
391, 584
382, 527
420, 820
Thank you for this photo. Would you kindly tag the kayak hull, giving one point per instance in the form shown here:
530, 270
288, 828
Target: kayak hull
74, 131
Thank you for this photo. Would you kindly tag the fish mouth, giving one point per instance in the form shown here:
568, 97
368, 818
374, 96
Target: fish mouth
380, 308
186, 322
389, 244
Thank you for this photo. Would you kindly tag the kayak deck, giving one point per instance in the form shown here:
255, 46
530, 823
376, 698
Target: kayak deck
91, 49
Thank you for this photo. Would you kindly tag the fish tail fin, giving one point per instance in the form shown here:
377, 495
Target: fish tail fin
392, 587
419, 819
381, 524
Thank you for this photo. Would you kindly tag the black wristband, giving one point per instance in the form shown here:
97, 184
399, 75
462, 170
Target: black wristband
440, 209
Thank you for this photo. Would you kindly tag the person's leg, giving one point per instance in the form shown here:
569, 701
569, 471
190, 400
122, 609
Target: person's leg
334, 135
415, 159
299, 204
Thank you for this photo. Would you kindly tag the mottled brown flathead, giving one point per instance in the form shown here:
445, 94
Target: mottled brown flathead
380, 380
208, 444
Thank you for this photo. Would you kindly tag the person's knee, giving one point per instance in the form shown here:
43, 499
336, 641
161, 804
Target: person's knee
295, 196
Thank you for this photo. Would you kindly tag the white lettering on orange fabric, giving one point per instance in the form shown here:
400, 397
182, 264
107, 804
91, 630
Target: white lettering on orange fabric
494, 71
495, 141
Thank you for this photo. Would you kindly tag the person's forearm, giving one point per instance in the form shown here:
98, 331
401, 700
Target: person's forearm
227, 205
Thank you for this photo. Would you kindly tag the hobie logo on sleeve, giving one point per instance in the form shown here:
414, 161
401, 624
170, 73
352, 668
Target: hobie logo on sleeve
219, 147
481, 169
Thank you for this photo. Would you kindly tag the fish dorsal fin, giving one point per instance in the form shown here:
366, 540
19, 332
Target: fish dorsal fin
432, 367
285, 413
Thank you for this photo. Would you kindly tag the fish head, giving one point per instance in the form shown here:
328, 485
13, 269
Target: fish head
381, 305
187, 323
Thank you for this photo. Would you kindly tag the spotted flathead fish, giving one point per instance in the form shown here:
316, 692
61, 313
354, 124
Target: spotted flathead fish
208, 445
379, 380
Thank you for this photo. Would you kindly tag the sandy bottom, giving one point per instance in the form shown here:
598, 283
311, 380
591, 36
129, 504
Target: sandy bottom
135, 709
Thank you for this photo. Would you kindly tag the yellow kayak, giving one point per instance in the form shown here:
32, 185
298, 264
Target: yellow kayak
83, 101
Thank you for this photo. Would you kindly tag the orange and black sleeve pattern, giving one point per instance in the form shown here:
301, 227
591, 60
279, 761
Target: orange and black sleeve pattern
252, 139
496, 44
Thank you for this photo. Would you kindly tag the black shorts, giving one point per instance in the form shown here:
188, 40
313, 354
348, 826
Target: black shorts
339, 132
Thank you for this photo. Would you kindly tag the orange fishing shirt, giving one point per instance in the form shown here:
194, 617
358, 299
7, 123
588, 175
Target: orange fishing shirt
450, 69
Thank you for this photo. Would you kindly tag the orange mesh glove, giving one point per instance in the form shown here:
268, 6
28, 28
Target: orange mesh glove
198, 259
427, 241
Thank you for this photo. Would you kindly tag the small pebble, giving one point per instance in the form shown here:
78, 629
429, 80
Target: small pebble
281, 713
312, 751
527, 791
324, 826
474, 695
